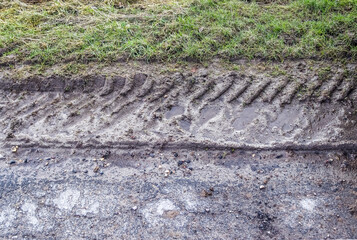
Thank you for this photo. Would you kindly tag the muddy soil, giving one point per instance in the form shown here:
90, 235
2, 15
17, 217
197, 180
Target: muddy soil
204, 154
245, 109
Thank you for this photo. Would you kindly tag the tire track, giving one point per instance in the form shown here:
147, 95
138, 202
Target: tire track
147, 88
276, 90
291, 93
347, 88
313, 86
331, 88
206, 88
35, 114
162, 91
209, 104
221, 89
256, 93
32, 101
239, 90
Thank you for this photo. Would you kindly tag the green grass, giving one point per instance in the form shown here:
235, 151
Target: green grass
198, 30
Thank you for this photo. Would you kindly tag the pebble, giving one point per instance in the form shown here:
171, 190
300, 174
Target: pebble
12, 162
14, 149
261, 187
205, 193
179, 163
175, 154
134, 208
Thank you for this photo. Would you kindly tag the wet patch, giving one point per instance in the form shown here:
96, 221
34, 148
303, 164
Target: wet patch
185, 124
287, 118
244, 118
208, 113
174, 111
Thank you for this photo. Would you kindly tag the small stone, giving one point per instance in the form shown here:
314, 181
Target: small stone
12, 162
46, 164
74, 170
160, 166
96, 169
152, 155
266, 181
86, 171
176, 154
329, 160
14, 149
205, 193
208, 210
171, 214
179, 163
261, 187
101, 172
106, 154
134, 208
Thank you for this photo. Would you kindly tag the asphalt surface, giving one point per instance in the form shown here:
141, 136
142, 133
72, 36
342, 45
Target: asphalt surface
179, 195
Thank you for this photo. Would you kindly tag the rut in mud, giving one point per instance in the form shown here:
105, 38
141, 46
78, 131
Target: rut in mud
229, 109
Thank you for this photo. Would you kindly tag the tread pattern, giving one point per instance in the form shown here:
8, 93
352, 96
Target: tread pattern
203, 104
